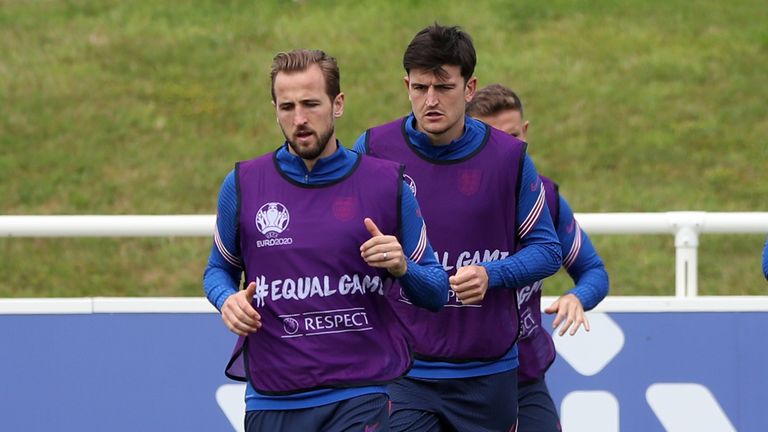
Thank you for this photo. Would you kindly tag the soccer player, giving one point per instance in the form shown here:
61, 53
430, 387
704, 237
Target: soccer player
308, 226
501, 108
485, 205
765, 259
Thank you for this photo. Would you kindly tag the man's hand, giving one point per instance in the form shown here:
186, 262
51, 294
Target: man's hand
570, 313
238, 314
470, 284
383, 251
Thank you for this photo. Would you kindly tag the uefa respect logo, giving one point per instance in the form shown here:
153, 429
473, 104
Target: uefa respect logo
271, 220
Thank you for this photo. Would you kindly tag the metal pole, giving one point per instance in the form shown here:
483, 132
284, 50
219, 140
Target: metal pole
686, 262
687, 226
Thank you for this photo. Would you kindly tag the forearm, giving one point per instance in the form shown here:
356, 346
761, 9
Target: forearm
425, 282
425, 286
217, 290
220, 279
540, 254
591, 287
580, 258
530, 264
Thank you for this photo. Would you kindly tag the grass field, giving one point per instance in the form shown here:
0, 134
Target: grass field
141, 107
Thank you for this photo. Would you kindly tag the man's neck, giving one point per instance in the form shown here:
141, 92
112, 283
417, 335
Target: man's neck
445, 138
330, 149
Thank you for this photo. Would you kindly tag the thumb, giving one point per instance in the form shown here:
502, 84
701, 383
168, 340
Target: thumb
553, 307
372, 228
250, 290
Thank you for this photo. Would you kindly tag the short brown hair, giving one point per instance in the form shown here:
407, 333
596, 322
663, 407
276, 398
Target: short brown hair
436, 46
300, 60
492, 99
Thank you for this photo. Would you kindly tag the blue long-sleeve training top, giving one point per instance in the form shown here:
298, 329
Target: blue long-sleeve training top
580, 259
426, 284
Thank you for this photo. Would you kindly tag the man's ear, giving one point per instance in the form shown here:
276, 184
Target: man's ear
470, 89
407, 83
274, 105
338, 105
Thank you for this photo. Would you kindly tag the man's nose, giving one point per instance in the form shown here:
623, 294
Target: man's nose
299, 117
431, 100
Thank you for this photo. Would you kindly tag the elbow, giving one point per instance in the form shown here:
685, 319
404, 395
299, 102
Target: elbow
436, 305
555, 258
433, 306
436, 308
428, 291
435, 301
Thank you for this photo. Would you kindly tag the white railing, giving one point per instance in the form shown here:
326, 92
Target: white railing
196, 305
685, 226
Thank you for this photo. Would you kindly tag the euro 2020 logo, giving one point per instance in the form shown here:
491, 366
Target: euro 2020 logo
272, 219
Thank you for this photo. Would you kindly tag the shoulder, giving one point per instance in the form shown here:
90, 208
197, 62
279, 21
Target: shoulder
505, 141
549, 183
383, 134
396, 123
374, 164
266, 157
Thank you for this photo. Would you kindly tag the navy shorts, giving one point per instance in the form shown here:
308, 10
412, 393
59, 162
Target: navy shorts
536, 409
367, 413
478, 404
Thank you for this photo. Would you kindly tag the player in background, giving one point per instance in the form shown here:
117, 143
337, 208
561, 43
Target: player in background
765, 259
485, 206
501, 108
308, 228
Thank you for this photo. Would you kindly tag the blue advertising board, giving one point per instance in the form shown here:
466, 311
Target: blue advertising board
635, 371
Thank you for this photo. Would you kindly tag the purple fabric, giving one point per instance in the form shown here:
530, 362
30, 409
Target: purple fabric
325, 315
469, 206
536, 348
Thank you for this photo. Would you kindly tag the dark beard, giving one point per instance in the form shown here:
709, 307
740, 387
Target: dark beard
312, 153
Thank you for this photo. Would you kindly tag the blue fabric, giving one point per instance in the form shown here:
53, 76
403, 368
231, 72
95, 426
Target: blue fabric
536, 410
480, 404
256, 401
765, 259
539, 257
363, 413
587, 269
425, 284
443, 370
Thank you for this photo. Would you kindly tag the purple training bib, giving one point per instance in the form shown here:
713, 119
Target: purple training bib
325, 315
470, 207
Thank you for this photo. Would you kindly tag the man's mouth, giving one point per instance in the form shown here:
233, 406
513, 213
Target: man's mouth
302, 134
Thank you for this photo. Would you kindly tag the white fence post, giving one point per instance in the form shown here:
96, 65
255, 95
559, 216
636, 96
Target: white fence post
687, 226
686, 262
